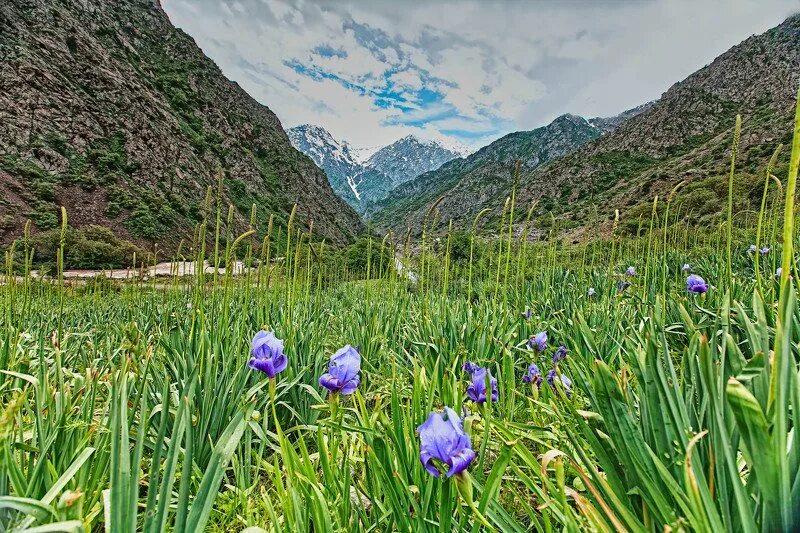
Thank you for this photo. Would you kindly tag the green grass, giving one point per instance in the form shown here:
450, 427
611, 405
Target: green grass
131, 406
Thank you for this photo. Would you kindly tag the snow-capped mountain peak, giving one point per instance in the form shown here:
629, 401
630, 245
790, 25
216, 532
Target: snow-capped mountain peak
369, 173
409, 157
317, 143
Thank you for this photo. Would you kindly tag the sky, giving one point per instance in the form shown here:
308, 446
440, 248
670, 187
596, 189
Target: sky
462, 72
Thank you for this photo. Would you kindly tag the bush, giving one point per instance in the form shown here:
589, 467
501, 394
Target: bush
143, 223
460, 245
89, 247
356, 255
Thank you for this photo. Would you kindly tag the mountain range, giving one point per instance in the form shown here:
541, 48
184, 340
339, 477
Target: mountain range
110, 111
360, 181
486, 173
573, 174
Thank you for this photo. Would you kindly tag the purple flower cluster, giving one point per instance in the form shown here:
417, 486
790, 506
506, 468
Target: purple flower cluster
267, 356
538, 343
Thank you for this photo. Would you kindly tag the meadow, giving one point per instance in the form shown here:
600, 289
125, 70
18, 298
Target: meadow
658, 401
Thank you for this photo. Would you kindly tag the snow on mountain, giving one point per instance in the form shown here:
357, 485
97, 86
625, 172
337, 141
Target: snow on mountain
361, 175
319, 145
333, 156
362, 155
409, 157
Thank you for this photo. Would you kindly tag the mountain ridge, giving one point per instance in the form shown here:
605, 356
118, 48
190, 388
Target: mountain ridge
360, 180
531, 147
112, 112
682, 136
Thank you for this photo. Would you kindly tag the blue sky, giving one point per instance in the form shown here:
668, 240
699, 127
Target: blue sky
466, 71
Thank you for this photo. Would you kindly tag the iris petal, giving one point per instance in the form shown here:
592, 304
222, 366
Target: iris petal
442, 438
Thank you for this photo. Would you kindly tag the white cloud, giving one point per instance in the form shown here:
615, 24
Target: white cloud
498, 66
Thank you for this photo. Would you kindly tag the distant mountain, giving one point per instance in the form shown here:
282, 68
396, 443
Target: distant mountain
684, 136
333, 156
360, 180
409, 157
607, 124
483, 174
110, 111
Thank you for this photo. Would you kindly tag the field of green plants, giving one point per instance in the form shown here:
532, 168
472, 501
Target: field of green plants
646, 384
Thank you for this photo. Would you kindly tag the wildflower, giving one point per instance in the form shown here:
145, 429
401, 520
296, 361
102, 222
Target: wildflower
476, 390
752, 249
685, 267
696, 284
622, 285
527, 314
533, 375
267, 354
590, 292
565, 382
779, 272
765, 250
342, 376
630, 271
560, 354
538, 342
470, 367
443, 440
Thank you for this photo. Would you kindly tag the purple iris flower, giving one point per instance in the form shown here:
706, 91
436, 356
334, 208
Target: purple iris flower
538, 342
442, 439
476, 390
765, 250
342, 376
752, 249
685, 267
622, 285
533, 375
630, 271
696, 284
560, 354
267, 354
565, 382
470, 367
590, 292
527, 314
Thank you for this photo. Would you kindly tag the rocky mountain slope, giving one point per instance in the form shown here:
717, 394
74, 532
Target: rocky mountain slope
481, 176
360, 182
683, 136
110, 111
